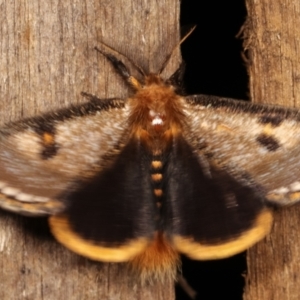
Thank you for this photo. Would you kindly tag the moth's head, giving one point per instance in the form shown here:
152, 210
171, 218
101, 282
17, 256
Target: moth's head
174, 82
147, 79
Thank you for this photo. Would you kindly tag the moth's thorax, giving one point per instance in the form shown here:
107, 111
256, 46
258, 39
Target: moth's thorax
156, 112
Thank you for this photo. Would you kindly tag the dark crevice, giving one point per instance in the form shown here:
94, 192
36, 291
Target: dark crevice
214, 66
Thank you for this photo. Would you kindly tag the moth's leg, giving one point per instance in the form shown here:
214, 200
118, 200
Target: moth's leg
92, 97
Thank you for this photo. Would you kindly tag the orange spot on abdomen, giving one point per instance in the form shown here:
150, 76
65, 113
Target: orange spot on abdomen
158, 192
156, 164
156, 177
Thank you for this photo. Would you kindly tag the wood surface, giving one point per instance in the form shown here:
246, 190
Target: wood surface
272, 34
46, 60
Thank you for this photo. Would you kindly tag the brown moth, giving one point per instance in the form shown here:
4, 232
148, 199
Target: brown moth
156, 175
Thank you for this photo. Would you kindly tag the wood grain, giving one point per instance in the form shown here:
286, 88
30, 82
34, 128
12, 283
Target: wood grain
46, 60
272, 38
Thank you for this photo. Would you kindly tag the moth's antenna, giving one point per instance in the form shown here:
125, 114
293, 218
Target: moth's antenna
167, 60
122, 69
141, 71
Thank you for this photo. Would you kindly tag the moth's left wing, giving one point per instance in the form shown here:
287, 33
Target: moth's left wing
40, 157
252, 142
209, 214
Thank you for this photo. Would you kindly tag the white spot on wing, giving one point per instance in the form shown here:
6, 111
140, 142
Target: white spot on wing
9, 191
281, 190
295, 187
40, 199
23, 197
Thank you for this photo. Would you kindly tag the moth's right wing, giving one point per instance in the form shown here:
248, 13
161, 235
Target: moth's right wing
249, 141
40, 157
232, 161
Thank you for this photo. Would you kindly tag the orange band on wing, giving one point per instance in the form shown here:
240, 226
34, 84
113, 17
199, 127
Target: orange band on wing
63, 232
201, 251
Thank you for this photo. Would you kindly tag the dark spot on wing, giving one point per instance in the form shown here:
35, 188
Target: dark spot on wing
49, 150
273, 119
268, 142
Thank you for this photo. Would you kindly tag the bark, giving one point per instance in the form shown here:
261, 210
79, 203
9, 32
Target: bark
272, 40
46, 60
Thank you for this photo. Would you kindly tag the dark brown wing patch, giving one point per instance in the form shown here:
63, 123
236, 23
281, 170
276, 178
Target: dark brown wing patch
273, 119
113, 210
210, 214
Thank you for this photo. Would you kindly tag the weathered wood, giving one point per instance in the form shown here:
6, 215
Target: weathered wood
46, 60
273, 31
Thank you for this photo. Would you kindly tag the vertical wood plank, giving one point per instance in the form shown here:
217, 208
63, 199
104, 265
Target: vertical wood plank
272, 38
46, 60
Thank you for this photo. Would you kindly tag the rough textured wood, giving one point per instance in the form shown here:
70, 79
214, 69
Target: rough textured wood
46, 60
273, 32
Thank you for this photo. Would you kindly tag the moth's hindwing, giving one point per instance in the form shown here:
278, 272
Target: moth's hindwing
41, 157
111, 217
210, 214
252, 142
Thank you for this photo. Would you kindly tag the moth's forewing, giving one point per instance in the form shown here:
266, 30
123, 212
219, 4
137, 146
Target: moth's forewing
40, 157
209, 213
112, 216
249, 141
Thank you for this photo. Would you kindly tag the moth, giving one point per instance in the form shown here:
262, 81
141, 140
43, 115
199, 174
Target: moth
147, 178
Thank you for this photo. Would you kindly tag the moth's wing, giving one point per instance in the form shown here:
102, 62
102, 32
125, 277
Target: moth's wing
248, 140
111, 217
40, 157
209, 214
